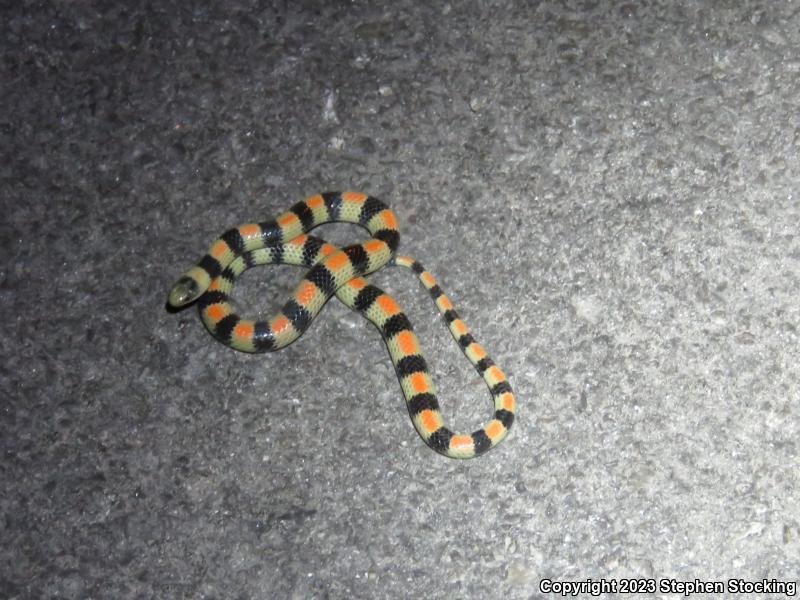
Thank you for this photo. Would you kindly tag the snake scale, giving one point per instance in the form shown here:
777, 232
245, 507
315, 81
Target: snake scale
340, 272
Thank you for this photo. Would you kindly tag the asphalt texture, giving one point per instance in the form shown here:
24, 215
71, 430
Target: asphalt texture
608, 192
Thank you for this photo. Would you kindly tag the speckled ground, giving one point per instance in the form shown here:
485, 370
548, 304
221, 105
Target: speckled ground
608, 192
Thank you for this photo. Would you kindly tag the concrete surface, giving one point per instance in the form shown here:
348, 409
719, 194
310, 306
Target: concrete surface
608, 192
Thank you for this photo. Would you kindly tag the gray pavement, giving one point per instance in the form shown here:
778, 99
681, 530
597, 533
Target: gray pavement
608, 192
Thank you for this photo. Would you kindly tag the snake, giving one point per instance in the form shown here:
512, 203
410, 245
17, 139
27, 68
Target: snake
340, 272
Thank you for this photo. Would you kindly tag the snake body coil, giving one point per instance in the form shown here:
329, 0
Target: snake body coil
339, 271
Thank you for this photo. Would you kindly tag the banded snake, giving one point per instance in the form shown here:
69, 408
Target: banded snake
340, 272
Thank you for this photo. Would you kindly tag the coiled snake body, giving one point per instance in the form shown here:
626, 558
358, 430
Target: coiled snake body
339, 272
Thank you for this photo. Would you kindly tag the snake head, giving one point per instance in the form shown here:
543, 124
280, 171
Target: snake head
183, 292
